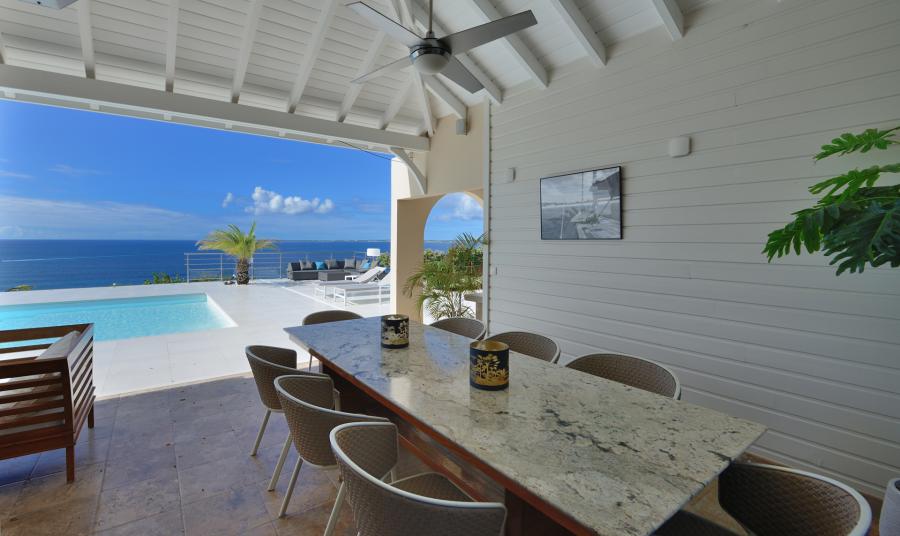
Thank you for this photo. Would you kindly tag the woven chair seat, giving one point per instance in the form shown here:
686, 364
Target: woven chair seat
688, 524
432, 485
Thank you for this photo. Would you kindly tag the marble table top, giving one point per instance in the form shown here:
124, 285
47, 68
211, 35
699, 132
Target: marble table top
615, 459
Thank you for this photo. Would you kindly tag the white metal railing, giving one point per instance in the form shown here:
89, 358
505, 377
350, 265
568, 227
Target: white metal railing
211, 266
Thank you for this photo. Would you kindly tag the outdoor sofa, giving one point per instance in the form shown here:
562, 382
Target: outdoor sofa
310, 270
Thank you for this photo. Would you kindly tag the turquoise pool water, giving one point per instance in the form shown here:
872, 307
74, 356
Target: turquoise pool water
122, 318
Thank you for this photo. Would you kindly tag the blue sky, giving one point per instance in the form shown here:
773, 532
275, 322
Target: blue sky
76, 174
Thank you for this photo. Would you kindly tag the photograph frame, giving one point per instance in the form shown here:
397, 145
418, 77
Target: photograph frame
614, 170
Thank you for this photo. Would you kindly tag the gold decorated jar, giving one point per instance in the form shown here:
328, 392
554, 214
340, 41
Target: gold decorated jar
394, 331
489, 365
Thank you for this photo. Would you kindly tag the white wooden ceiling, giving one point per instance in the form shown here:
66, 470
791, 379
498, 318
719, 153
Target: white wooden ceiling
300, 55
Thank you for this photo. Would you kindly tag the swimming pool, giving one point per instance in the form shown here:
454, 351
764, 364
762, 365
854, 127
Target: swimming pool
122, 318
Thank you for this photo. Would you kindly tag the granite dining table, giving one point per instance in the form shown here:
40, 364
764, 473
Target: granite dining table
568, 452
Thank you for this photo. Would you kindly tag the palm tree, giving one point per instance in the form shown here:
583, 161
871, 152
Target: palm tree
234, 242
444, 279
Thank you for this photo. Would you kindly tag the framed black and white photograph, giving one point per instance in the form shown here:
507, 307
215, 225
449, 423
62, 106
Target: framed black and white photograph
586, 205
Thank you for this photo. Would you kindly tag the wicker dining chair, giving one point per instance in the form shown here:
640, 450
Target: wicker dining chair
322, 317
426, 503
530, 344
634, 371
467, 327
768, 499
307, 404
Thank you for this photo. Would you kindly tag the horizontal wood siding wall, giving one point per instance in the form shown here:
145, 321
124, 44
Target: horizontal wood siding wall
758, 85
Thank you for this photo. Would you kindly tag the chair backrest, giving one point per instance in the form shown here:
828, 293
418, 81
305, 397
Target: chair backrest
634, 371
307, 401
532, 344
467, 327
369, 275
363, 451
268, 363
768, 499
329, 315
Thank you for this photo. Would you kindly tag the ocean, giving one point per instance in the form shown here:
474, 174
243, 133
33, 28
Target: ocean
49, 264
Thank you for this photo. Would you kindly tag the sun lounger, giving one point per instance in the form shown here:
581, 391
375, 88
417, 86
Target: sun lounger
322, 287
380, 290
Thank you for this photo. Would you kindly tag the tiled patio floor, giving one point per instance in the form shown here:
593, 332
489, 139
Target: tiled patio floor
168, 462
175, 461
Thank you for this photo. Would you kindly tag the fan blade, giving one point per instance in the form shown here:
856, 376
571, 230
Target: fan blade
466, 40
457, 72
386, 24
398, 65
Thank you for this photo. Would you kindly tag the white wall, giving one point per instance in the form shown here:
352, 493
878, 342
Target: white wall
759, 85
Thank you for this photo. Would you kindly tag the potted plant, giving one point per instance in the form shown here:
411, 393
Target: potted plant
234, 242
444, 279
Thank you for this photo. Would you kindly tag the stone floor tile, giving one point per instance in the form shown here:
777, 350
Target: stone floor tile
17, 469
207, 449
232, 512
88, 451
313, 488
53, 490
143, 465
168, 523
202, 481
135, 501
313, 521
72, 518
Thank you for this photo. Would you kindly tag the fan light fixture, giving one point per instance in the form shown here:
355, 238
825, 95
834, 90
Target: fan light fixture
430, 60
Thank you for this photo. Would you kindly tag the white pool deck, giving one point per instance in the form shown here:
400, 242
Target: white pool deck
260, 311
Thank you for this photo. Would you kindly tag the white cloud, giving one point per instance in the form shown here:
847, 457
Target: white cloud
462, 207
13, 174
66, 169
229, 197
267, 201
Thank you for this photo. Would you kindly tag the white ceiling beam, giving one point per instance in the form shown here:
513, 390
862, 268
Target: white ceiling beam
243, 59
367, 65
73, 90
441, 91
421, 179
420, 15
402, 12
520, 50
424, 105
396, 104
171, 41
311, 53
582, 30
671, 16
85, 32
3, 58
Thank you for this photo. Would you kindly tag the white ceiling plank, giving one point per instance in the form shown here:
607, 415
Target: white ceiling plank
367, 65
73, 90
396, 104
86, 33
420, 15
582, 30
249, 35
671, 16
442, 92
171, 43
311, 53
520, 50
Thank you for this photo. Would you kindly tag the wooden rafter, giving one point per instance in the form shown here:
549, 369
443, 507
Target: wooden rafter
520, 50
85, 32
367, 65
243, 59
671, 16
396, 104
311, 53
441, 91
582, 30
171, 43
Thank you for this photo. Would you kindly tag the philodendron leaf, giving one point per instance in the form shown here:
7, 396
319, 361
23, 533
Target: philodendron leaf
864, 142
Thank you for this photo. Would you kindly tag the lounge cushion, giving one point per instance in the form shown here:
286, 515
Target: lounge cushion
331, 264
359, 263
366, 265
320, 265
308, 265
349, 263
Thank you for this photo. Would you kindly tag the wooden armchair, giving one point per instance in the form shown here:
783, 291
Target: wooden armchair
45, 397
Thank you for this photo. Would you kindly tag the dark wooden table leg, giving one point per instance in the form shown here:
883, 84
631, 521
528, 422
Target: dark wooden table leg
524, 519
70, 463
91, 417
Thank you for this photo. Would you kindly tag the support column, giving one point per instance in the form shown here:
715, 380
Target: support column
408, 217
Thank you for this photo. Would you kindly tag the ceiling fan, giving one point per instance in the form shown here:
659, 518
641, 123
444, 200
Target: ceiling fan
430, 55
